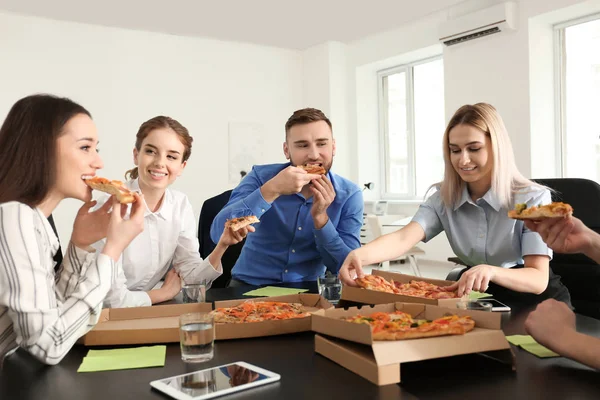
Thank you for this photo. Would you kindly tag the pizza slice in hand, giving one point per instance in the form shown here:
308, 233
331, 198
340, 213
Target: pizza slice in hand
238, 223
314, 169
115, 188
552, 210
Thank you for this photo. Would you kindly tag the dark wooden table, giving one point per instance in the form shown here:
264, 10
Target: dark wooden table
306, 375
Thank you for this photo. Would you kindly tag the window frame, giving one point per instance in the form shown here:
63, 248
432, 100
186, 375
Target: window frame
383, 105
560, 92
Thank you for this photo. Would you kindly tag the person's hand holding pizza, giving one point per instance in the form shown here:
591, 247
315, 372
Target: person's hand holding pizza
477, 278
290, 180
551, 323
351, 269
563, 235
231, 237
323, 195
90, 227
122, 231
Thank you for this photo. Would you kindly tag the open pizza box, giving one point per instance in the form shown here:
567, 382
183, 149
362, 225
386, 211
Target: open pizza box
140, 325
366, 296
312, 303
380, 361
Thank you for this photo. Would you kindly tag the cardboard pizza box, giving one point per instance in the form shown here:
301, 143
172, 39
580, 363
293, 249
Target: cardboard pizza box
312, 303
380, 361
366, 296
140, 325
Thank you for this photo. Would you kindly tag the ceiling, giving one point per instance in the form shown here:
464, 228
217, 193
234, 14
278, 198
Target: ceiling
282, 23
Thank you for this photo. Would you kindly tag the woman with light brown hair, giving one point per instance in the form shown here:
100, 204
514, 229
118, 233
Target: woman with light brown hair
481, 183
162, 149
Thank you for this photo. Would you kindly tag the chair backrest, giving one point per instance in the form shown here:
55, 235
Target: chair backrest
579, 273
209, 211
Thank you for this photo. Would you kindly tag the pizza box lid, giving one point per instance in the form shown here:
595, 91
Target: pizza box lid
366, 296
140, 325
486, 336
312, 303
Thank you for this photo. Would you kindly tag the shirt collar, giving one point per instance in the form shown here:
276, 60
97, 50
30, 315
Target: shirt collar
164, 211
488, 197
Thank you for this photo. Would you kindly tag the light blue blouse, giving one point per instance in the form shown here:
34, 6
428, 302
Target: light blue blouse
480, 232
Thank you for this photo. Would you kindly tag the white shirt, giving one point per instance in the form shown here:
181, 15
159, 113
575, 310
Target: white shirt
169, 238
42, 312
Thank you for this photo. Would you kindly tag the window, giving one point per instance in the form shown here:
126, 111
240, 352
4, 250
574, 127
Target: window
412, 125
578, 60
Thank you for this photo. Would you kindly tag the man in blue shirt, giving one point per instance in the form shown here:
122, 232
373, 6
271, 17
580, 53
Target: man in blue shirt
308, 222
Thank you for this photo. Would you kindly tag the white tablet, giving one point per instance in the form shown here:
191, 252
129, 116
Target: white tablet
214, 382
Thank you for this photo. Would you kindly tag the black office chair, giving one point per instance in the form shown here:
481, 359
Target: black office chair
580, 274
210, 209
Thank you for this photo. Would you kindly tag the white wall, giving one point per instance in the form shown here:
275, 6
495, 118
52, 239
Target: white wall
126, 77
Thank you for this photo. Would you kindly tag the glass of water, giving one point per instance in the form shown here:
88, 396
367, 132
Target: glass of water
194, 293
196, 336
330, 288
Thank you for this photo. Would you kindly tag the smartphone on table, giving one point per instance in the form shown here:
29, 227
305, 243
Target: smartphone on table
213, 382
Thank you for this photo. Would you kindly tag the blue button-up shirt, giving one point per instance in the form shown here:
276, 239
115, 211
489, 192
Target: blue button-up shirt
480, 232
286, 247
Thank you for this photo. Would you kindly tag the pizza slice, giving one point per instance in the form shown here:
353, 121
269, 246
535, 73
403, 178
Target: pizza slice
115, 188
375, 282
314, 169
238, 223
552, 210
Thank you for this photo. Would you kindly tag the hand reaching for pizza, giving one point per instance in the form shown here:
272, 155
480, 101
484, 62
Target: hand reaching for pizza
477, 278
90, 227
288, 181
551, 323
563, 235
231, 237
351, 269
323, 195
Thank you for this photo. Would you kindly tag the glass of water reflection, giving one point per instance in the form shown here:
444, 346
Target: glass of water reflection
330, 288
196, 336
194, 293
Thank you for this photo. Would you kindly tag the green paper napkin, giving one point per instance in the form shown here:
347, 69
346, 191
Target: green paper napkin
473, 295
270, 291
529, 344
114, 359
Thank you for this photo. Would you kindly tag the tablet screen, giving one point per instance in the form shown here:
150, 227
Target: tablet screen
214, 380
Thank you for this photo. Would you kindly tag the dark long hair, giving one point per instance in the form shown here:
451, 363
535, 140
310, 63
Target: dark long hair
28, 146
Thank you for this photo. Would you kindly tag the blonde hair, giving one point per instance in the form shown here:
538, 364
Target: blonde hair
506, 178
158, 123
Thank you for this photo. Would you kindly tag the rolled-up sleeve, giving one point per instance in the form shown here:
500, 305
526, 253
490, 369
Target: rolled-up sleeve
427, 216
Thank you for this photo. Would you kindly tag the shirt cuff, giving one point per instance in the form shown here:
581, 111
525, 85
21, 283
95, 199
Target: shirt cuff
257, 203
326, 233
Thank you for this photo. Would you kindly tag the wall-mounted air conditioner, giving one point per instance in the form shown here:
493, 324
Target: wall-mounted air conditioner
489, 21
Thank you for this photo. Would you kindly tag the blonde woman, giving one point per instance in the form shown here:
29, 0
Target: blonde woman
481, 183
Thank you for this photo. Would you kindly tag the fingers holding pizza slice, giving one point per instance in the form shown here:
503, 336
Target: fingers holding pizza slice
314, 169
236, 224
115, 188
552, 210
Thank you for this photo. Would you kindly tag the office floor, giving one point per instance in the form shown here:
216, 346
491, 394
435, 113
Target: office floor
428, 268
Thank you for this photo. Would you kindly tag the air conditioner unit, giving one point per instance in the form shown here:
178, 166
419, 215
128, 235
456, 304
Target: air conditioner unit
489, 21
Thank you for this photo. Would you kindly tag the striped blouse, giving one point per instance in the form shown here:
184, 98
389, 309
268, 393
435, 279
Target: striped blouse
42, 311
